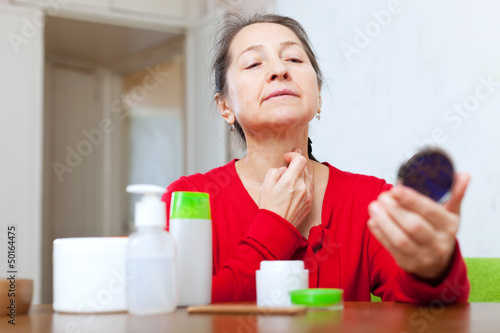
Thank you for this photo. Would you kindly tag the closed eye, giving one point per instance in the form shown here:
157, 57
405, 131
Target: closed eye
253, 65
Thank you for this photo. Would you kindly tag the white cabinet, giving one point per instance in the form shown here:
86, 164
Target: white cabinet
170, 13
168, 8
58, 4
93, 3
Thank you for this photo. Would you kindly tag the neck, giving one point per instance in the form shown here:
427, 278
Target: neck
268, 152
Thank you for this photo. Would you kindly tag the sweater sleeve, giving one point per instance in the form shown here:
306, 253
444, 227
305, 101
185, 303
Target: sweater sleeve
270, 237
391, 283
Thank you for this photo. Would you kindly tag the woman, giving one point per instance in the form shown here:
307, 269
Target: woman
278, 203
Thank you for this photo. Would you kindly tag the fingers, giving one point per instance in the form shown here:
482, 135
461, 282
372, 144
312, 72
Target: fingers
302, 196
267, 199
273, 176
389, 234
298, 171
282, 170
297, 179
417, 231
457, 193
290, 155
410, 222
433, 212
309, 188
304, 207
288, 191
297, 164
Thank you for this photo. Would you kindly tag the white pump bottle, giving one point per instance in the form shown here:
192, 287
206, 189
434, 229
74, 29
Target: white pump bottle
151, 257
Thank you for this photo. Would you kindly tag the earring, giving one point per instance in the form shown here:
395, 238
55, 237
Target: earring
318, 116
231, 127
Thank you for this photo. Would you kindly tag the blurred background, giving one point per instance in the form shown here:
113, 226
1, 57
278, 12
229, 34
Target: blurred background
98, 94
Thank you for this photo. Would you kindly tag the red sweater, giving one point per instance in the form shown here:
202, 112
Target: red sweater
339, 253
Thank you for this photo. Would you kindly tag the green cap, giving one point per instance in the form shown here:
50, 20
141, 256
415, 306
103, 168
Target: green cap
190, 205
319, 297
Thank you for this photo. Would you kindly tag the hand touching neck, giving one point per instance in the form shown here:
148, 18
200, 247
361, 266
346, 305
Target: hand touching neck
267, 150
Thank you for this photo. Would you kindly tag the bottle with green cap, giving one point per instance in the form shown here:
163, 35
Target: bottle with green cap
190, 224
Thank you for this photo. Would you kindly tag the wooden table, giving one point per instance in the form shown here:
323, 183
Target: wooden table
355, 317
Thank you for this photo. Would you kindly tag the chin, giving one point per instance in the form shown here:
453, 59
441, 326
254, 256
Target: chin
289, 122
289, 116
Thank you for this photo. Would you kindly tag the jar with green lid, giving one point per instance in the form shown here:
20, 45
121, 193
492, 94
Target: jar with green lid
318, 298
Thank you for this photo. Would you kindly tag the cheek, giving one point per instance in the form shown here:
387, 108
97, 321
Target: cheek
312, 79
244, 94
311, 87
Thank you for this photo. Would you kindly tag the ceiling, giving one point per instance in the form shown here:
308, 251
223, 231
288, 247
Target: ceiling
99, 43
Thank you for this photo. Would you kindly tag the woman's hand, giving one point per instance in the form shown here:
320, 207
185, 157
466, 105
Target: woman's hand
288, 191
417, 231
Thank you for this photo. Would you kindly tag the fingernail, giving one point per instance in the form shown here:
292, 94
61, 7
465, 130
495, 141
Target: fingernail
398, 191
299, 151
374, 208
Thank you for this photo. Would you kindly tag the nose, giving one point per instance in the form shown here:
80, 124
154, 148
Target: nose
278, 71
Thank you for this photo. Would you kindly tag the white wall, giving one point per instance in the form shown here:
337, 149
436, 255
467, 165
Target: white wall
205, 132
21, 138
385, 98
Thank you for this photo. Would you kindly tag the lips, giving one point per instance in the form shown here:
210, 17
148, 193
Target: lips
281, 92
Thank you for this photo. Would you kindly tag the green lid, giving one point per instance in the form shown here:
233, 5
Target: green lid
319, 297
190, 205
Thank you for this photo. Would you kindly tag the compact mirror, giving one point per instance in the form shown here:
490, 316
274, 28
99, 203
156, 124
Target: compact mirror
430, 172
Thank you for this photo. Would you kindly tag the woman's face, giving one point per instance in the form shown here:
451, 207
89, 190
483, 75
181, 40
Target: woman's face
271, 83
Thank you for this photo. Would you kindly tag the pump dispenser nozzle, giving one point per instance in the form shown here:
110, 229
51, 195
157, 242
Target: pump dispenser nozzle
150, 210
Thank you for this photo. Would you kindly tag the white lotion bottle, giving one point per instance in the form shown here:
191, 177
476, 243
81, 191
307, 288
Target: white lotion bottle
151, 263
190, 224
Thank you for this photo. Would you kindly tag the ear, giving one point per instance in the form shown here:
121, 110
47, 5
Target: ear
224, 109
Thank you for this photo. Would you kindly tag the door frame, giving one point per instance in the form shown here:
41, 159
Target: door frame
113, 170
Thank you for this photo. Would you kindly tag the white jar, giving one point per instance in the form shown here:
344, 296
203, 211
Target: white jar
89, 274
276, 278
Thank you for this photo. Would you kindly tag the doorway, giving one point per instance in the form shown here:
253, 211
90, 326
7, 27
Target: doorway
114, 114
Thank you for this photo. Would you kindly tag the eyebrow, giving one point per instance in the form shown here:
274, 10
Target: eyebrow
258, 47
